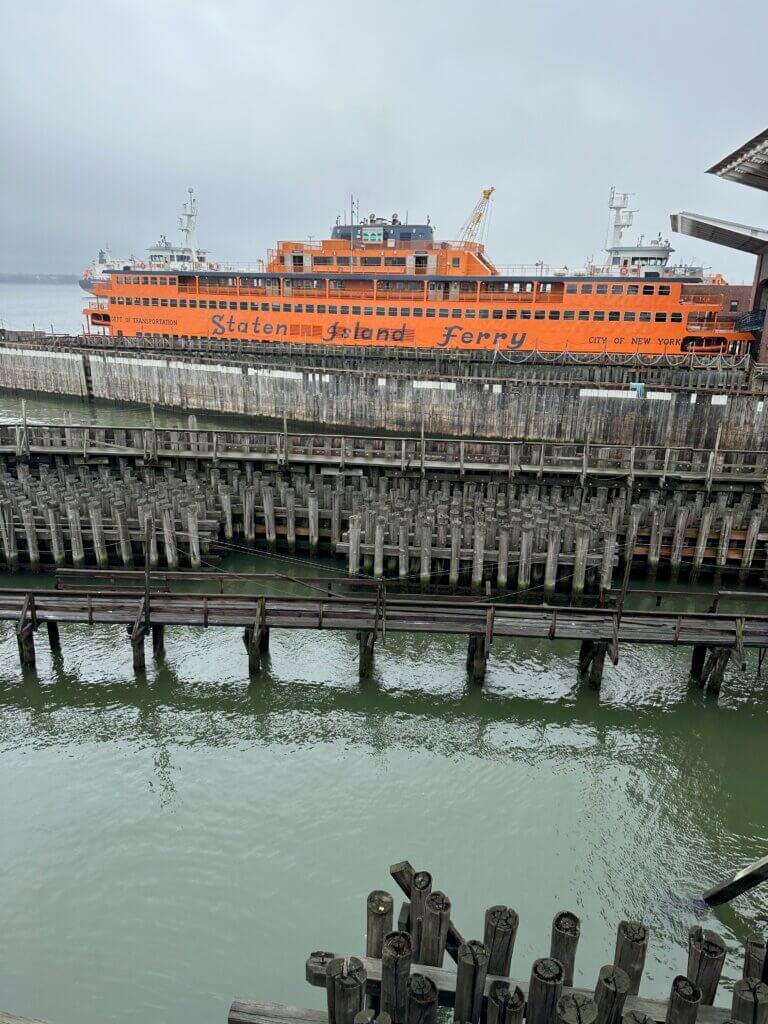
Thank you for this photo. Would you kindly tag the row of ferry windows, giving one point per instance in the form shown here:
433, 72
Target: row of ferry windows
612, 316
570, 289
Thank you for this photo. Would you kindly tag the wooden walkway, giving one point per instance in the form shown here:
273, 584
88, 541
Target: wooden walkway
421, 455
714, 637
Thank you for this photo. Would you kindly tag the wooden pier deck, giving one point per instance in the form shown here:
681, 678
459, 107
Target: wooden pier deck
714, 637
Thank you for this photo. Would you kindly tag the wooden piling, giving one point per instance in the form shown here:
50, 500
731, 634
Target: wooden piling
471, 971
58, 550
97, 529
158, 640
268, 502
631, 947
422, 1000
575, 1008
30, 533
566, 929
477, 656
313, 514
611, 991
437, 917
194, 537
123, 536
26, 641
169, 538
54, 640
354, 535
421, 887
379, 908
505, 1005
75, 534
544, 990
554, 540
706, 956
349, 968
501, 924
684, 1002
478, 556
754, 956
365, 643
502, 569
395, 969
750, 1001
455, 564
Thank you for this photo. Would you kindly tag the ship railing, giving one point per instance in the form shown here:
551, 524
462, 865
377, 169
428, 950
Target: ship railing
717, 324
702, 299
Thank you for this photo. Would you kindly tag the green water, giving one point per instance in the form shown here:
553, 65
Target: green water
169, 844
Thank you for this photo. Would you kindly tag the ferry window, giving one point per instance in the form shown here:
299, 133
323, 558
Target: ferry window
405, 311
470, 314
614, 316
676, 318
645, 318
286, 307
154, 302
310, 307
163, 302
418, 311
128, 302
430, 312
370, 261
319, 261
663, 289
145, 280
443, 313
525, 314
275, 307
162, 280
298, 308
456, 314
367, 310
483, 314
661, 318
342, 261
344, 309
321, 308
136, 280
539, 314
112, 300
734, 306
119, 278
598, 315
617, 289
647, 289
232, 305
633, 289
392, 311
203, 304
182, 303
511, 314
571, 289
172, 280
394, 261
145, 302
243, 305
586, 289
333, 309
254, 307
265, 307
193, 304
379, 311
498, 314
602, 289
569, 314
554, 314
583, 314
629, 318
153, 280
355, 311
455, 261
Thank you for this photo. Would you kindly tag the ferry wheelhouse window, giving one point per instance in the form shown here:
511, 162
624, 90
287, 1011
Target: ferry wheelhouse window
145, 280
455, 261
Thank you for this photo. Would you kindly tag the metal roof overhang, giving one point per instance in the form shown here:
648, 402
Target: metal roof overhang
748, 165
721, 232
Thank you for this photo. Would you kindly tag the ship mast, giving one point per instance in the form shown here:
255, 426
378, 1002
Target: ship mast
187, 220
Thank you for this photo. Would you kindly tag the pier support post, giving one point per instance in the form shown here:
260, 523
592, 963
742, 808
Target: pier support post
75, 534
501, 924
684, 1001
471, 972
750, 1001
26, 639
544, 990
194, 537
313, 512
137, 643
706, 956
290, 518
591, 661
422, 1000
505, 1005
580, 564
124, 538
453, 571
478, 556
30, 532
631, 947
566, 929
554, 539
434, 934
698, 658
169, 538
54, 640
365, 638
353, 535
477, 657
713, 673
158, 640
379, 921
57, 537
268, 500
97, 528
610, 994
395, 970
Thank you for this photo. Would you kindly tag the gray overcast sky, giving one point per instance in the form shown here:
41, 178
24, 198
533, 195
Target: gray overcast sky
275, 112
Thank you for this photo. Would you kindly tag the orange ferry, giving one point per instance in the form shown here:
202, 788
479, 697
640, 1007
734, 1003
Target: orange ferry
386, 283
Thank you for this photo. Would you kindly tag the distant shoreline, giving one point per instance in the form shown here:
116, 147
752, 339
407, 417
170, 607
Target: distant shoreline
39, 278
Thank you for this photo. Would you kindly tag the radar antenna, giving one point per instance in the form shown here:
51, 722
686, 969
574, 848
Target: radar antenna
187, 220
472, 227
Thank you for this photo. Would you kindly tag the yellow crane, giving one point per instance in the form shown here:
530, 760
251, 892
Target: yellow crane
471, 228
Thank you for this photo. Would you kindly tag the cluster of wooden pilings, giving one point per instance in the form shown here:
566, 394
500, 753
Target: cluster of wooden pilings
76, 515
430, 528
402, 980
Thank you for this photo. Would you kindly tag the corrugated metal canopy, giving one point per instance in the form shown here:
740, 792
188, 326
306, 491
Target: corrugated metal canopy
748, 164
722, 232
